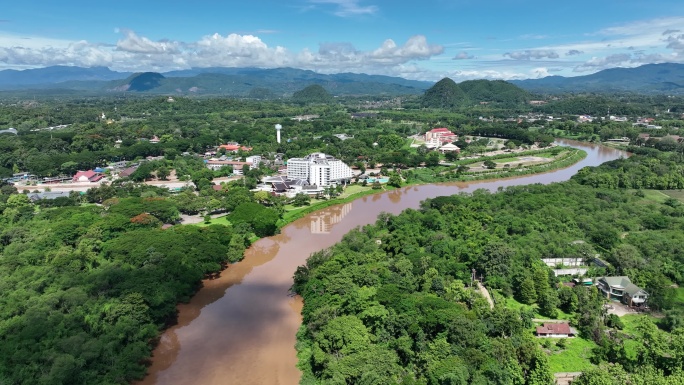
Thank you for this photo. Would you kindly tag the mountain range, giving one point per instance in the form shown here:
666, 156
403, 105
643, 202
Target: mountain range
666, 78
241, 82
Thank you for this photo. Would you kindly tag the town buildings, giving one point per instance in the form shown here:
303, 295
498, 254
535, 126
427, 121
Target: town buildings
251, 161
319, 169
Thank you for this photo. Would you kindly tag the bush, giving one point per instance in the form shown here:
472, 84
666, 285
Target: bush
613, 321
562, 343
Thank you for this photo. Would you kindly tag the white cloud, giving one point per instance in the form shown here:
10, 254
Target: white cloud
347, 8
138, 53
463, 55
531, 36
461, 75
540, 72
599, 63
675, 42
137, 44
530, 54
415, 48
79, 53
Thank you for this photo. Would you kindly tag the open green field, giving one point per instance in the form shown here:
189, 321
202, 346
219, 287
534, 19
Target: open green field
676, 194
507, 160
655, 195
660, 196
574, 358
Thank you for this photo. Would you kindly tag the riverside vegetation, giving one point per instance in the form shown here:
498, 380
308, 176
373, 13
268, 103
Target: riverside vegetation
391, 303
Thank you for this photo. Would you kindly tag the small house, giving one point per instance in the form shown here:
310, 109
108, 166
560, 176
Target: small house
556, 330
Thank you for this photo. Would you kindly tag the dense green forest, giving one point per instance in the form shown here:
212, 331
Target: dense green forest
87, 289
391, 303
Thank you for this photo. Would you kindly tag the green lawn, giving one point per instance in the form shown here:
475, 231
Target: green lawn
655, 196
550, 155
574, 358
507, 160
216, 221
660, 196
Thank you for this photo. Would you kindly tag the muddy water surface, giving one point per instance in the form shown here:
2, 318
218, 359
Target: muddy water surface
240, 328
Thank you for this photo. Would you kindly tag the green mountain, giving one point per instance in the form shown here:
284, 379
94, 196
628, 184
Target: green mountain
444, 94
312, 94
665, 78
447, 94
494, 91
145, 81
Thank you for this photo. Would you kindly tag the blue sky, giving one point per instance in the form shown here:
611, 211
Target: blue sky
425, 40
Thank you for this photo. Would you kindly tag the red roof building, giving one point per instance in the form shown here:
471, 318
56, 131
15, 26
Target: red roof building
87, 176
437, 137
556, 330
234, 147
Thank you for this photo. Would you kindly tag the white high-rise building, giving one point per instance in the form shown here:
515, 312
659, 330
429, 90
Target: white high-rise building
319, 169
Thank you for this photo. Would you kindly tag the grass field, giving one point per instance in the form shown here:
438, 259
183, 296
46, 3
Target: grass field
574, 358
660, 196
507, 160
676, 194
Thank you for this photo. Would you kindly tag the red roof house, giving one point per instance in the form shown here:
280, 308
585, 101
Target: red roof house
87, 176
556, 330
235, 147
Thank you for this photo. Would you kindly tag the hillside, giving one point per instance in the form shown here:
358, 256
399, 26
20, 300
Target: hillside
447, 94
665, 78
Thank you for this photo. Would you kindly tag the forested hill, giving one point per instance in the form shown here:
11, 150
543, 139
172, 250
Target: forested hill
447, 94
391, 303
312, 94
665, 78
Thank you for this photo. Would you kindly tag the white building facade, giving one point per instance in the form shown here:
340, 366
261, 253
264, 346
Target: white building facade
319, 169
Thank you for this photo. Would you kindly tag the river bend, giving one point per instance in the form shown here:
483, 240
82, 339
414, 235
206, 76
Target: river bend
240, 328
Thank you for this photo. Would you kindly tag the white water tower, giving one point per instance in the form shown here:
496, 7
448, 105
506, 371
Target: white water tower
278, 127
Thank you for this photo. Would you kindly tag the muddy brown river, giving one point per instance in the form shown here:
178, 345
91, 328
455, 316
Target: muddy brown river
240, 328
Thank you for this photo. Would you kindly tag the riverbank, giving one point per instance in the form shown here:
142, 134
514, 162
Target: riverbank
241, 326
566, 159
